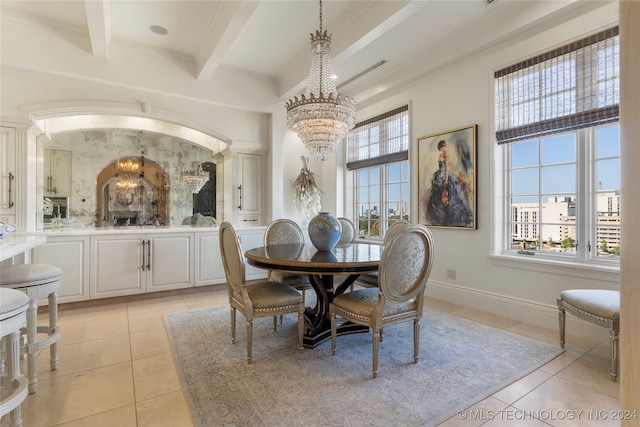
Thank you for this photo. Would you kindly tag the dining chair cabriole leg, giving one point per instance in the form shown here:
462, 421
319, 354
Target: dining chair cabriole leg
275, 323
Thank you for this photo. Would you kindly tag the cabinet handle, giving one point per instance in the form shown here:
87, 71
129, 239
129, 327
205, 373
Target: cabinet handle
149, 254
11, 178
250, 220
240, 190
143, 255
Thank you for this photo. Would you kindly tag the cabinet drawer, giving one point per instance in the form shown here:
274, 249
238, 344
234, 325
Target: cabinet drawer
249, 220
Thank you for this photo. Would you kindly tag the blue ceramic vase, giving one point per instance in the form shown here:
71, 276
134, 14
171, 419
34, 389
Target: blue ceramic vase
324, 231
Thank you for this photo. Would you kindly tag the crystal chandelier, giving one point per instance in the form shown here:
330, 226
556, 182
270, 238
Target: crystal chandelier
196, 177
128, 173
321, 118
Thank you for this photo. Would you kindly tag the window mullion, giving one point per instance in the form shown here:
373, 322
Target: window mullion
584, 205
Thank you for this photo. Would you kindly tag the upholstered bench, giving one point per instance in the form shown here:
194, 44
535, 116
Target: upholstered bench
601, 307
13, 316
37, 281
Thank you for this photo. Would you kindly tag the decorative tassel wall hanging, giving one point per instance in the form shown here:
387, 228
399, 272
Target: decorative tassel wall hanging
307, 191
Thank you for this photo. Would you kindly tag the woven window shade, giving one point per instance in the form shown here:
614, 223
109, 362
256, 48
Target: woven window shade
379, 140
572, 87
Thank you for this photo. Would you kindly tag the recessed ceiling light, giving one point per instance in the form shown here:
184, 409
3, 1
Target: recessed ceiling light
158, 30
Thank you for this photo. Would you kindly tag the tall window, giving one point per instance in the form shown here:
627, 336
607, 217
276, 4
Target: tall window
377, 156
557, 119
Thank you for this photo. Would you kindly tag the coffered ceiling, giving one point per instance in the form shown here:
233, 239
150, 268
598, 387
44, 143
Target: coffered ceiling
252, 55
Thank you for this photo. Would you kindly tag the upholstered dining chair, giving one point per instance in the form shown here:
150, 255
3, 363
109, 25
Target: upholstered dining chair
370, 280
348, 234
404, 269
264, 298
281, 232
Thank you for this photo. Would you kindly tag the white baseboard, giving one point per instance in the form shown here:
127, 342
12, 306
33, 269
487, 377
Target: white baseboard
531, 312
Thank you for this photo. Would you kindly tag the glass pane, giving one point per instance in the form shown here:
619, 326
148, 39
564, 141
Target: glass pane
559, 149
608, 175
559, 179
375, 175
608, 142
525, 181
405, 171
608, 236
525, 216
559, 209
374, 194
525, 154
393, 192
393, 173
361, 210
559, 239
363, 194
608, 204
405, 191
363, 177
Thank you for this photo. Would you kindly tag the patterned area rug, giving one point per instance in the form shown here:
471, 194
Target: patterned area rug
461, 363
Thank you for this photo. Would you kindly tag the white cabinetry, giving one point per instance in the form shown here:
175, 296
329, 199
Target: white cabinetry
137, 263
57, 172
208, 260
252, 238
171, 261
71, 254
8, 175
248, 178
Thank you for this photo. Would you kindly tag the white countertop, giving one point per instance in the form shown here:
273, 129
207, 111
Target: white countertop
12, 244
133, 229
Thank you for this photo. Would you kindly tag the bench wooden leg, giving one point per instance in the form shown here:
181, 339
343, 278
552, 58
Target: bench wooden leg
613, 343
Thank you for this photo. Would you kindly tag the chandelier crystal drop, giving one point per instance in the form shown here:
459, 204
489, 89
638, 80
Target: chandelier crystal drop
321, 117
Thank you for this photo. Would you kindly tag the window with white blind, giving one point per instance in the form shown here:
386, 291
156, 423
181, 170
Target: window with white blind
558, 134
378, 159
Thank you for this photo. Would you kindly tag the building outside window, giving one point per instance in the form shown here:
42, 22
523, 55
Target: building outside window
557, 126
377, 159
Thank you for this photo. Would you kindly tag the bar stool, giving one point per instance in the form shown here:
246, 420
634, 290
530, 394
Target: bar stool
13, 316
37, 281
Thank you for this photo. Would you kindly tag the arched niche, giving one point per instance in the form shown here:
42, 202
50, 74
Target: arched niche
145, 203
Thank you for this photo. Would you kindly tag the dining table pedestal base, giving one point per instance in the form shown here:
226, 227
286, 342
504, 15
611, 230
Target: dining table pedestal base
319, 329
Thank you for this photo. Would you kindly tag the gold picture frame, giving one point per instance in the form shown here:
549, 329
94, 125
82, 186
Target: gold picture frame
447, 179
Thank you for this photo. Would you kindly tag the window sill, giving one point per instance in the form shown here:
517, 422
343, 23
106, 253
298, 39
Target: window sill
603, 273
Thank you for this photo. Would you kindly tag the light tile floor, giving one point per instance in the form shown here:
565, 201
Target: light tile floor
116, 369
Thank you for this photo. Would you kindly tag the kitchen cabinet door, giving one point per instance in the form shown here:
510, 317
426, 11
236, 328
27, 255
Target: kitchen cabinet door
8, 175
57, 173
117, 265
249, 189
252, 238
169, 261
208, 260
71, 254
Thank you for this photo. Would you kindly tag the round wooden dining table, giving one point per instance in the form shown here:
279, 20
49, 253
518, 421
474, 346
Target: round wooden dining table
347, 261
